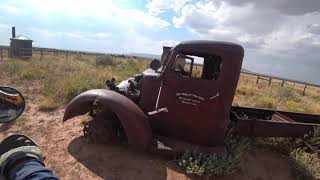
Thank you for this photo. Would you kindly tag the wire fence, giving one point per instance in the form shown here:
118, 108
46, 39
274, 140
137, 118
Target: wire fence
41, 52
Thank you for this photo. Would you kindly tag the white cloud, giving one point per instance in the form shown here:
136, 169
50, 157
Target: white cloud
134, 41
283, 32
88, 35
15, 10
75, 35
314, 28
118, 30
101, 35
267, 31
4, 26
102, 10
157, 7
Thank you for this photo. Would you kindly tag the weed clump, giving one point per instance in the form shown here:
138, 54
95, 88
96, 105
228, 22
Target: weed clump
302, 153
105, 60
48, 105
305, 166
203, 164
294, 106
75, 86
306, 158
265, 102
35, 73
20, 121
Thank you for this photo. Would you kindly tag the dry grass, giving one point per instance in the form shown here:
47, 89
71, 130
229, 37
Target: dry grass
60, 80
55, 81
85, 119
47, 105
305, 165
274, 96
22, 120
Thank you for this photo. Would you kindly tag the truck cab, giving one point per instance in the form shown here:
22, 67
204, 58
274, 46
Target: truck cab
183, 102
195, 84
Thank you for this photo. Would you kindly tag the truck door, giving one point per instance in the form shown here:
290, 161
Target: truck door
191, 92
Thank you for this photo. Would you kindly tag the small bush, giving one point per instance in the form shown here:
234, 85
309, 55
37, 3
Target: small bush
287, 93
20, 121
203, 164
12, 67
75, 86
80, 58
241, 91
294, 106
305, 166
265, 102
47, 105
33, 74
304, 160
86, 119
105, 60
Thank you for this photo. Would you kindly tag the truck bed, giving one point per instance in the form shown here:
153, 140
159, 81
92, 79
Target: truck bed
271, 123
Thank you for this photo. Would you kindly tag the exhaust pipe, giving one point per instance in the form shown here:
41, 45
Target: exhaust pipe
13, 32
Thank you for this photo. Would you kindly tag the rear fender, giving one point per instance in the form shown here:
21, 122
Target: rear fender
132, 118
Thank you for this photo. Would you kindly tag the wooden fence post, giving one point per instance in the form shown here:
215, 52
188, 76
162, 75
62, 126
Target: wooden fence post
40, 53
66, 55
269, 81
304, 90
282, 83
1, 54
258, 79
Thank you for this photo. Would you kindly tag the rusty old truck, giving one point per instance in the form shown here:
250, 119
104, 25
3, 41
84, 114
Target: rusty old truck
183, 100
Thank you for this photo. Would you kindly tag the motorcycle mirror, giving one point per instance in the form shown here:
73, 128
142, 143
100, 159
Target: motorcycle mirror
155, 64
12, 104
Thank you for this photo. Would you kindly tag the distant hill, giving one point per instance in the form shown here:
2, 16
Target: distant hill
246, 71
148, 56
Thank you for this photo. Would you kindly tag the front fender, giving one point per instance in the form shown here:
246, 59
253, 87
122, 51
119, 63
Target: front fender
132, 118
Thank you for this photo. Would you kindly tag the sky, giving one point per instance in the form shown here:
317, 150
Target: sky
280, 37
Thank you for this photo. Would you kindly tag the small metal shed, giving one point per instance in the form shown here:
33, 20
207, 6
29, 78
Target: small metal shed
20, 46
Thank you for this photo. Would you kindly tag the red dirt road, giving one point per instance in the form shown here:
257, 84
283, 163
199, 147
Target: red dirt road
73, 157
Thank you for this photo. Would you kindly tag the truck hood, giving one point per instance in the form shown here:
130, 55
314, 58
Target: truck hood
150, 74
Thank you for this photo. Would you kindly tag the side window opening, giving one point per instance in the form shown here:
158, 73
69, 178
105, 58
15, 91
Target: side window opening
184, 65
202, 67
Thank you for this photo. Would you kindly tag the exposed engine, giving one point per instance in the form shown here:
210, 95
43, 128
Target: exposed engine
129, 88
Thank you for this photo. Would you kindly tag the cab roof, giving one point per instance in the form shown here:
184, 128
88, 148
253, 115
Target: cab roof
209, 47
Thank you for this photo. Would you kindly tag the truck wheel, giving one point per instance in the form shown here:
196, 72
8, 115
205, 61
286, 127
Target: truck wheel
104, 128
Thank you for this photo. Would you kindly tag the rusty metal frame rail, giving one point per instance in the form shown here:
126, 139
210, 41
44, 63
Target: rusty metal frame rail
271, 123
259, 113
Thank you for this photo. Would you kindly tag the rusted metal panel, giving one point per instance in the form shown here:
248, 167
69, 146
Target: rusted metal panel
270, 123
206, 122
263, 128
132, 118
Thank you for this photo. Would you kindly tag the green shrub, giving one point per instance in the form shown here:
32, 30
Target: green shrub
294, 106
105, 60
304, 161
80, 58
47, 105
22, 120
35, 73
203, 164
286, 93
265, 102
76, 86
241, 91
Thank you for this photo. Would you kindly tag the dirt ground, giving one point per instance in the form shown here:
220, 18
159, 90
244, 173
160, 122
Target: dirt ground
73, 157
